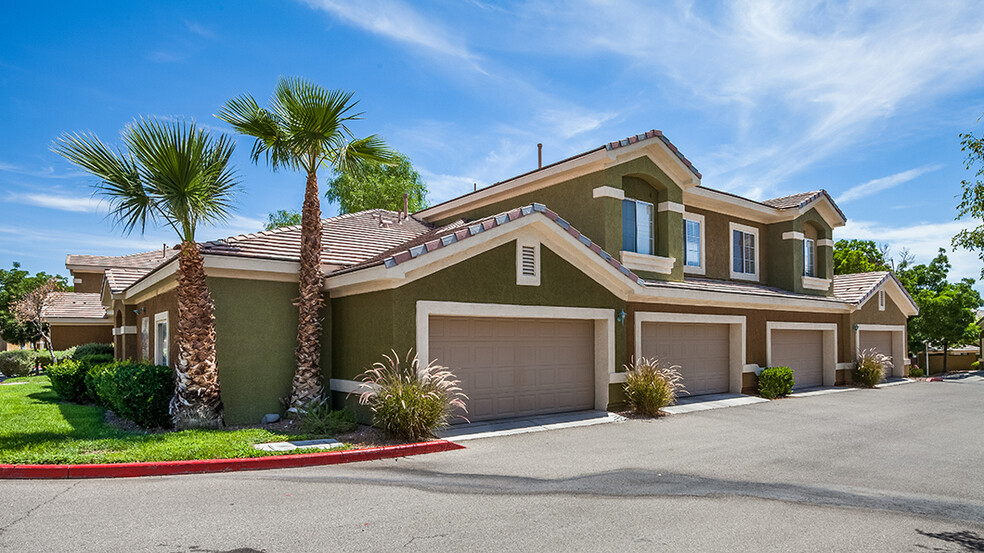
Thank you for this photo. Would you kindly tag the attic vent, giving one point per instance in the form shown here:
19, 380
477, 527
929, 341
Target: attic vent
527, 263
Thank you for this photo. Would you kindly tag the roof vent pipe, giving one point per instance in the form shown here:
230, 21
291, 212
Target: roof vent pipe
539, 155
406, 206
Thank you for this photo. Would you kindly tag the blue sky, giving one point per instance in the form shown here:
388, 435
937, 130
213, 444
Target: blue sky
866, 100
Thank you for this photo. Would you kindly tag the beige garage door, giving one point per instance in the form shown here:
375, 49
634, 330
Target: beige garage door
802, 351
701, 350
880, 340
517, 367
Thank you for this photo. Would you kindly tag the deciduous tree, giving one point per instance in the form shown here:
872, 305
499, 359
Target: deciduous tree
378, 186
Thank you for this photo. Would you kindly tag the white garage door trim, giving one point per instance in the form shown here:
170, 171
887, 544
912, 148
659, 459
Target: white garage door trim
604, 331
898, 344
829, 345
736, 338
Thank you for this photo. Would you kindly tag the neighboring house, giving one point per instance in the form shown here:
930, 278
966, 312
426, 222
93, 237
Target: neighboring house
80, 317
957, 359
538, 289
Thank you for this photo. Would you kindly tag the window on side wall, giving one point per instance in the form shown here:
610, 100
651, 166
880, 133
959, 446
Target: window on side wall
693, 243
744, 252
810, 257
162, 339
637, 227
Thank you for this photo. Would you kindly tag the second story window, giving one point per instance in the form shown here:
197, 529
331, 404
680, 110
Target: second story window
744, 252
637, 227
810, 257
693, 243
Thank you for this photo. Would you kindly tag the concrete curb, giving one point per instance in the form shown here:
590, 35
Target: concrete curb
164, 468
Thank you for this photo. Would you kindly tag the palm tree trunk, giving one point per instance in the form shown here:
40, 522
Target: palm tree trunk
307, 386
196, 402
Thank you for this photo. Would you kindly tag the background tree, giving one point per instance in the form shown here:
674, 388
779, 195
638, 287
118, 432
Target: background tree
972, 200
859, 256
175, 173
30, 308
282, 218
378, 186
305, 129
14, 285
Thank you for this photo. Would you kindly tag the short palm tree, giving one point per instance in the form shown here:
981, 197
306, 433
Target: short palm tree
175, 173
305, 129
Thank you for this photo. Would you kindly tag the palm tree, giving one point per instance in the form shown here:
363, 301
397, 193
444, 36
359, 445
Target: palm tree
176, 173
306, 128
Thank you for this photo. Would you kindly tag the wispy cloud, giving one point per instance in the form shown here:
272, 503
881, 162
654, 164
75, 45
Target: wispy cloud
197, 28
884, 183
46, 172
396, 20
77, 204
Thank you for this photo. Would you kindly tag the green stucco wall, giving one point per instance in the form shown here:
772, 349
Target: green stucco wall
256, 331
368, 325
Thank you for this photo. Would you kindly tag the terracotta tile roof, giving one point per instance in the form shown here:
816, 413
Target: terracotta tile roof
858, 287
143, 260
653, 134
74, 305
120, 279
796, 201
346, 240
729, 287
462, 231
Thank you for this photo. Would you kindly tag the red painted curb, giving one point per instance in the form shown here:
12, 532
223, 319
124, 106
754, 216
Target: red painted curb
126, 470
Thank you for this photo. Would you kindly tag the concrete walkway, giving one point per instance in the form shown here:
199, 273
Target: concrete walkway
712, 401
523, 425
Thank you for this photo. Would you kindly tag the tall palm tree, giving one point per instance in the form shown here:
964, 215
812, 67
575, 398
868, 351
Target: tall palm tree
175, 173
306, 128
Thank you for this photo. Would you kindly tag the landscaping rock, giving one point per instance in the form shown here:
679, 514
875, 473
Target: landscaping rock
270, 418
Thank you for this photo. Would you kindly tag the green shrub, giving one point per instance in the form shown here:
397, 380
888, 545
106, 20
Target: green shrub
651, 386
870, 369
410, 403
320, 419
136, 391
95, 359
92, 349
68, 380
975, 366
775, 382
91, 379
17, 363
915, 372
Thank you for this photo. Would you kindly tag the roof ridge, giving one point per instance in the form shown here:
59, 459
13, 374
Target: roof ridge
269, 232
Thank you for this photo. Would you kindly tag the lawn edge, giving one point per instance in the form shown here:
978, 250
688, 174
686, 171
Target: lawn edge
199, 466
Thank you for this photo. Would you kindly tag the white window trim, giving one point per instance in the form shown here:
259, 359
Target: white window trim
608, 192
829, 345
732, 227
644, 262
814, 283
158, 318
899, 342
702, 268
652, 228
604, 332
813, 256
736, 338
526, 280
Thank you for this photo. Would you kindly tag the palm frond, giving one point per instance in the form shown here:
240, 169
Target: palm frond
248, 118
350, 156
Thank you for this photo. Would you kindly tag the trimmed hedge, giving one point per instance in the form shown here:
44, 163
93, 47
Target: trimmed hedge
775, 382
17, 363
136, 391
68, 380
92, 349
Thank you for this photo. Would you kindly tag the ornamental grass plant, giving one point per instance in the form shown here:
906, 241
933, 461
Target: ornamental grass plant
650, 385
871, 368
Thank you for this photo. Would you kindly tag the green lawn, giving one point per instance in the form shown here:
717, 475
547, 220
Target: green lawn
37, 427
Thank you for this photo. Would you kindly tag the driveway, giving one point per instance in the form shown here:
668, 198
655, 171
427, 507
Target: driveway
894, 469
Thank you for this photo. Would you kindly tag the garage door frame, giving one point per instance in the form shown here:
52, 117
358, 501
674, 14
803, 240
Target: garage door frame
898, 344
829, 331
736, 338
604, 331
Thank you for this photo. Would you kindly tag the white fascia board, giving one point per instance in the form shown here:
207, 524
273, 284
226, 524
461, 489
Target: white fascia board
660, 154
722, 299
743, 208
826, 210
222, 266
894, 291
64, 321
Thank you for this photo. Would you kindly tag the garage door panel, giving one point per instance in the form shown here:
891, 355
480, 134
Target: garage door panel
518, 367
702, 351
802, 351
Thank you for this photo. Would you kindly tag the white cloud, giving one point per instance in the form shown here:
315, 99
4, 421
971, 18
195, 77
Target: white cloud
78, 204
570, 122
398, 21
884, 183
47, 172
923, 240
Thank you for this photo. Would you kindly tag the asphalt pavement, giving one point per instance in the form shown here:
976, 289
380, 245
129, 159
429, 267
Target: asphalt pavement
893, 469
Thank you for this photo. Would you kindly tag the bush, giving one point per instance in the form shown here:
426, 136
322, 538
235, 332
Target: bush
775, 382
320, 419
651, 386
870, 369
91, 380
410, 404
915, 372
68, 380
95, 359
92, 349
17, 363
975, 366
136, 391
